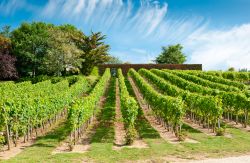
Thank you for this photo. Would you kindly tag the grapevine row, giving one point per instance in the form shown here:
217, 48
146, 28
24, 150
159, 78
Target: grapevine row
216, 79
166, 108
205, 108
236, 76
184, 84
232, 102
82, 110
204, 82
129, 108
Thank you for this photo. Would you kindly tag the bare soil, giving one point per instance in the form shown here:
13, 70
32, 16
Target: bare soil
199, 158
120, 132
238, 159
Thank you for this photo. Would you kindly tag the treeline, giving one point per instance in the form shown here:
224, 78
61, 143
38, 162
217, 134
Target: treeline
40, 48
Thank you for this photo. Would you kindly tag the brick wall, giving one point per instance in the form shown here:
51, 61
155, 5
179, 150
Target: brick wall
126, 67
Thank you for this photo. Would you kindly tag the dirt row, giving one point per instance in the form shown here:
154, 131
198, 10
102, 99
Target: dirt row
120, 132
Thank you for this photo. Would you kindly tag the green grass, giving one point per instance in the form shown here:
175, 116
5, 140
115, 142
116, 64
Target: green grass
105, 131
102, 142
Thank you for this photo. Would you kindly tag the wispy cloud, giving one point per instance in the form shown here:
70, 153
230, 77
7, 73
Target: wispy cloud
109, 14
9, 7
149, 20
221, 49
134, 56
140, 51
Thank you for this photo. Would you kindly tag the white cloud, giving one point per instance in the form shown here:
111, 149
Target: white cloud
220, 49
137, 50
147, 19
122, 19
134, 55
9, 7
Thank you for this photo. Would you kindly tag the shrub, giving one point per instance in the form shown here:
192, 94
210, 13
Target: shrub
182, 136
220, 131
131, 135
72, 79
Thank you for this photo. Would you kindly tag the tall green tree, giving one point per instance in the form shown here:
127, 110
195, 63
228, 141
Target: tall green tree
231, 69
63, 54
171, 55
95, 51
54, 50
30, 43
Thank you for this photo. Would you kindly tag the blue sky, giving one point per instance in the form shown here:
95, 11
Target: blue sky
215, 33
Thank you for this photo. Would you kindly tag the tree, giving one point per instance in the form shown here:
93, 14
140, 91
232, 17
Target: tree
171, 55
114, 60
43, 48
62, 55
30, 43
95, 51
231, 69
127, 62
243, 70
7, 61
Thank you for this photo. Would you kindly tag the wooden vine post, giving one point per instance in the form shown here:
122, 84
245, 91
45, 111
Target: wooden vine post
6, 128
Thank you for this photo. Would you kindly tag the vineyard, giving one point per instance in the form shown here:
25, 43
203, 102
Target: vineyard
126, 117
